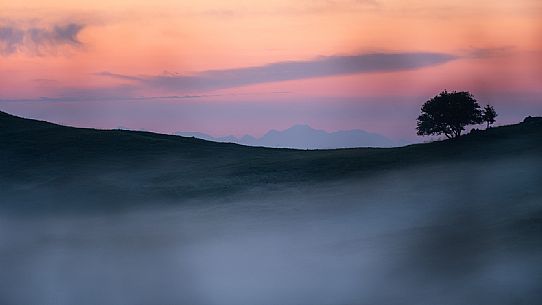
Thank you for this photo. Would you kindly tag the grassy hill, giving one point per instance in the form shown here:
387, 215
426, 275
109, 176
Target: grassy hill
120, 217
48, 165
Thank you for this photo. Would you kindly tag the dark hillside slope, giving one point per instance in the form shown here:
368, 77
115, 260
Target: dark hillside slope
45, 164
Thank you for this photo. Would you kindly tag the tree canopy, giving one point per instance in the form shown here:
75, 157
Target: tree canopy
448, 113
489, 115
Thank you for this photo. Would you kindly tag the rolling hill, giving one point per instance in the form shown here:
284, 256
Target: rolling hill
48, 165
121, 217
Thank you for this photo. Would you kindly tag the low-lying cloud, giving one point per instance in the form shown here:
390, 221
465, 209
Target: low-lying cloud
442, 234
323, 66
38, 40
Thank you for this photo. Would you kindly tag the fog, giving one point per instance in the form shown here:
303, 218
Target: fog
447, 234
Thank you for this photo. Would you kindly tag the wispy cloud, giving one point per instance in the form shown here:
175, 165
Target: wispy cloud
290, 70
323, 6
15, 38
295, 8
481, 53
118, 76
125, 93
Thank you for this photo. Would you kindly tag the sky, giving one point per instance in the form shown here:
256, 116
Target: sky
245, 67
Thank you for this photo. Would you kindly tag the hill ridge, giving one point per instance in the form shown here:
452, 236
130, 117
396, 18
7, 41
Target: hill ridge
44, 161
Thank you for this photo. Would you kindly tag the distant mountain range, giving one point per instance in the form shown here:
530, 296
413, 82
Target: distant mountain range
305, 137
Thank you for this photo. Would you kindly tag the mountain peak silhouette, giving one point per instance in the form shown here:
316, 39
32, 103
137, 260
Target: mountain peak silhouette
303, 136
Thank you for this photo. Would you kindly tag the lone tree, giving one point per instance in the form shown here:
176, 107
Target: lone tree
489, 115
448, 113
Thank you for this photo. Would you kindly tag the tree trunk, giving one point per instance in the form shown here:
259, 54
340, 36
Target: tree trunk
457, 133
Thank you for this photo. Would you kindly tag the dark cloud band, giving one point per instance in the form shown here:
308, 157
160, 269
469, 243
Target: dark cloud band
291, 70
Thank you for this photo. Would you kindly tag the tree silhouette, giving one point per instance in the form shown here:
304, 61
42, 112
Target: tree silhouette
448, 113
489, 114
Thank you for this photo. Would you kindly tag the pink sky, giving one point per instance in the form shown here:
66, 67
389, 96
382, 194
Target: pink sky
238, 67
